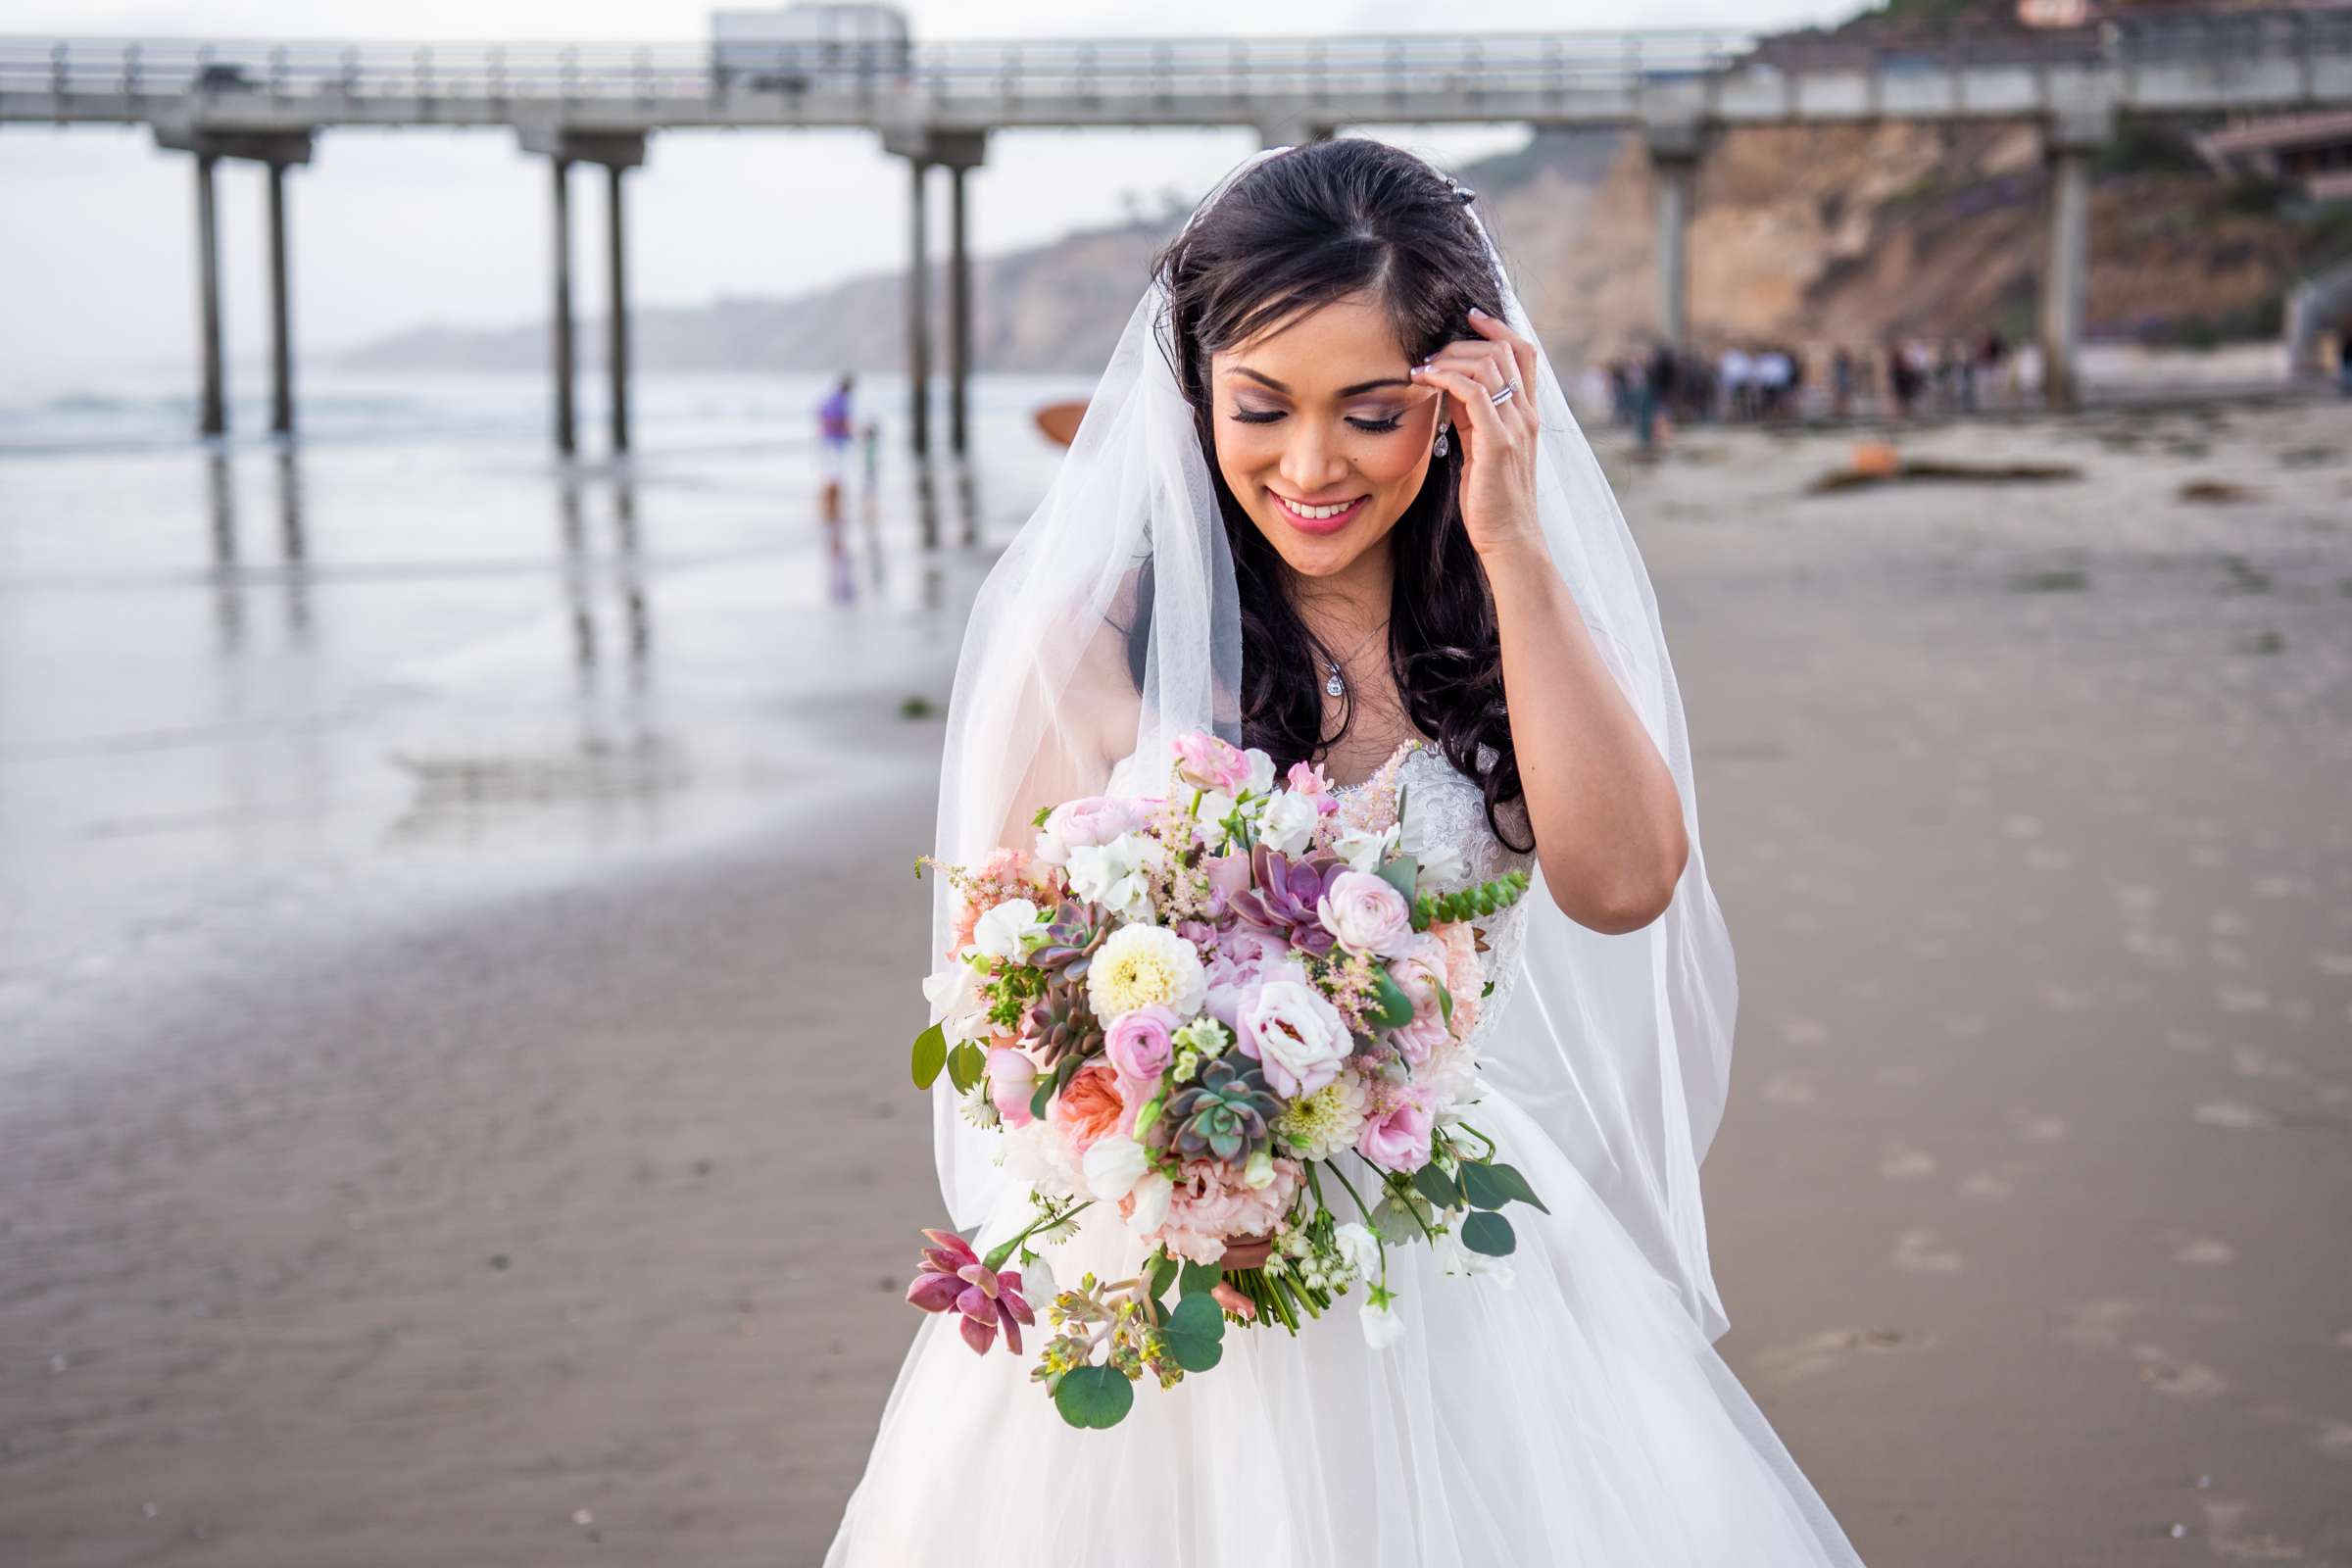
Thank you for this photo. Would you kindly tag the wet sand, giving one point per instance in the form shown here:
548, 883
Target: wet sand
417, 1213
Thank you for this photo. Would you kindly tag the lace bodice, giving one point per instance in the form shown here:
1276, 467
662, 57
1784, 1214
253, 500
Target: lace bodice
1457, 815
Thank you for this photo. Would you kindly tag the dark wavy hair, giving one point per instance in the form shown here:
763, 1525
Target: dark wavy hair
1314, 224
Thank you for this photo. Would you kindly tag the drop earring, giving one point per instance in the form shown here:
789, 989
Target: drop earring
1439, 449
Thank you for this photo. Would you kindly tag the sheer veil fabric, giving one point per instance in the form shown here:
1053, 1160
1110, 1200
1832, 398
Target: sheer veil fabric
1623, 1056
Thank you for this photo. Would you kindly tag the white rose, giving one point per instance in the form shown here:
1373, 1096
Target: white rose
1382, 1326
1297, 1034
1359, 1247
1114, 1165
1009, 930
1115, 874
1287, 824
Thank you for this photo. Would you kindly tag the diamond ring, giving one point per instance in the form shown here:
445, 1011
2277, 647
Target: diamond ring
1510, 390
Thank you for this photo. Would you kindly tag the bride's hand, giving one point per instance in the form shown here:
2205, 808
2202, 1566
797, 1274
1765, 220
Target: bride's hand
1246, 1252
1499, 441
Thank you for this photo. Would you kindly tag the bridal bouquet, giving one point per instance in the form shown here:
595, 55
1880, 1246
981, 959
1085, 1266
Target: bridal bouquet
1187, 1007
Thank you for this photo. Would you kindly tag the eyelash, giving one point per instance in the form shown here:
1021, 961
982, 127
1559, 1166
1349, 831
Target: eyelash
1375, 427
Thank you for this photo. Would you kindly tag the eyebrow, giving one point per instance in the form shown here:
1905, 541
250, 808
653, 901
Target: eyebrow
1346, 391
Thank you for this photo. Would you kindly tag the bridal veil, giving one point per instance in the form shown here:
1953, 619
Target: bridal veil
1078, 668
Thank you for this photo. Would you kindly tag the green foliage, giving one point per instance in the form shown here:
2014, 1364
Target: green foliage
1491, 1186
1470, 902
1442, 1190
1490, 1234
1095, 1396
1196, 1333
1198, 1279
1396, 1008
930, 1055
965, 1064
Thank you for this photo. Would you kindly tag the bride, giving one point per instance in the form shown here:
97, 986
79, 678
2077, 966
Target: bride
1327, 501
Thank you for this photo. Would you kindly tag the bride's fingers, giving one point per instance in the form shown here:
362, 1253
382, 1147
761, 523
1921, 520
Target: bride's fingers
1522, 353
1478, 415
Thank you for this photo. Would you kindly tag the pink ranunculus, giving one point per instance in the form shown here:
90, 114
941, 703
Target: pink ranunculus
1308, 781
1139, 1044
1418, 970
1366, 913
1396, 1137
1208, 762
1090, 820
1089, 1106
1011, 1083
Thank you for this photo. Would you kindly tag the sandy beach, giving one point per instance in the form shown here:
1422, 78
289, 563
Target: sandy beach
534, 1179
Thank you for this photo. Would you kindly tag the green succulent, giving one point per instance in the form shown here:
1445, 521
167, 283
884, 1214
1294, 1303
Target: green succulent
1228, 1113
1063, 1024
1076, 931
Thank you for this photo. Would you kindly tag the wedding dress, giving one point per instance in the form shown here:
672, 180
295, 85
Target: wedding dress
1570, 1410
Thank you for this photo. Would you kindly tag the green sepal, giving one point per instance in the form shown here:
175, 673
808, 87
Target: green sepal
930, 1055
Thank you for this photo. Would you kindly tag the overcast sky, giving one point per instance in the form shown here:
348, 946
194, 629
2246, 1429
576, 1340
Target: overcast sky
392, 229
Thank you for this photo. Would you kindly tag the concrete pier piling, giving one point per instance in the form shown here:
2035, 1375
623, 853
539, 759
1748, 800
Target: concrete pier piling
276, 151
959, 152
616, 152
2068, 144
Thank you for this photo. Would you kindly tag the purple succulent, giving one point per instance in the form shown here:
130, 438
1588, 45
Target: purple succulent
1284, 893
953, 1279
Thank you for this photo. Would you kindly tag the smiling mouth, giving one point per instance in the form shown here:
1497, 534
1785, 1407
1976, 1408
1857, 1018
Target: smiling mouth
1318, 517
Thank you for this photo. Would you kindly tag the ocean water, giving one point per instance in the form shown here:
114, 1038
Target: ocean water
415, 655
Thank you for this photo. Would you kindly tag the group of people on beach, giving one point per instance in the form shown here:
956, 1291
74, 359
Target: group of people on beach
1753, 382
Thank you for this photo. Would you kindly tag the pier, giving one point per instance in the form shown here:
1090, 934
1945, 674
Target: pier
936, 104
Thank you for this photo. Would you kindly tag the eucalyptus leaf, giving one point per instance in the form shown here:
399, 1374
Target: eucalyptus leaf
930, 1055
1438, 1188
1480, 1185
1039, 1096
1490, 1234
1445, 1001
1163, 1275
965, 1064
1094, 1396
1196, 1333
1513, 1186
1198, 1280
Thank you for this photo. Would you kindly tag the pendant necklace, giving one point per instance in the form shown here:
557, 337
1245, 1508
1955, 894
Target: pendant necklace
1336, 685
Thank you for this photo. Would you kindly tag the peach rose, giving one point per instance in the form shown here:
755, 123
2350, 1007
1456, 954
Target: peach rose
1089, 1106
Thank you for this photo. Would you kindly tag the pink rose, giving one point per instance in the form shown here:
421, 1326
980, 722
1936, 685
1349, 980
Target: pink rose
1365, 913
1011, 1082
1397, 1136
1208, 762
1227, 874
1294, 1032
1243, 956
1139, 1044
1081, 823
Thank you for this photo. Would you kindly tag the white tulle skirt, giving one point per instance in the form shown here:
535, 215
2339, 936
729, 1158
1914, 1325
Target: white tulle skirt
1574, 1415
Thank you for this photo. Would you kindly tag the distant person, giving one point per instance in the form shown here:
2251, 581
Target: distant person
836, 428
870, 437
1841, 381
1658, 387
2343, 362
1732, 373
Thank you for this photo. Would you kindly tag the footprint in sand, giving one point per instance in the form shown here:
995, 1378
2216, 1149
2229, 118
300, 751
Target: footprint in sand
2226, 923
2234, 1114
2189, 1041
1966, 1025
2333, 962
2243, 1000
1803, 1031
2036, 1128
2228, 955
1903, 1164
1788, 1363
1786, 1089
2200, 1252
1917, 1250
2065, 999
2181, 1379
1986, 1184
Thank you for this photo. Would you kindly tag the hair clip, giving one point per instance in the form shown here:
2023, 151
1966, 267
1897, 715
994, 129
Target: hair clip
1462, 193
